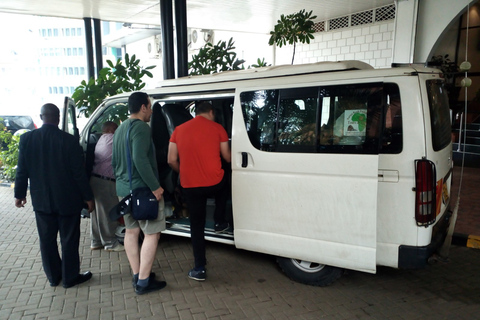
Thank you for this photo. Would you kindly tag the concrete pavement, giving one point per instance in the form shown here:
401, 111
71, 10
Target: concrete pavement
240, 284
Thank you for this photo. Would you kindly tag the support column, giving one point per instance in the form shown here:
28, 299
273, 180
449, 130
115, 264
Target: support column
89, 48
405, 31
98, 45
166, 21
182, 37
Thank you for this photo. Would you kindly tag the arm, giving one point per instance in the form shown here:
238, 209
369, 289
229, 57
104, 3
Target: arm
225, 151
21, 178
141, 145
173, 157
77, 169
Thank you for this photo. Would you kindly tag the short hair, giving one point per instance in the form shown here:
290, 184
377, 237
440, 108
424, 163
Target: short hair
50, 112
203, 107
109, 125
136, 100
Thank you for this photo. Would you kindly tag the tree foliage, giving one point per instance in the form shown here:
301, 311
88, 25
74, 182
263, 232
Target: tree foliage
296, 27
112, 80
8, 153
215, 58
260, 64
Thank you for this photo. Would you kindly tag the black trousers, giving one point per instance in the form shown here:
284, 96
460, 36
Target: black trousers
49, 225
196, 199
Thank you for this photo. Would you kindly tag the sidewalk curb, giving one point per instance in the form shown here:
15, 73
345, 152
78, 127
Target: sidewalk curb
466, 240
7, 184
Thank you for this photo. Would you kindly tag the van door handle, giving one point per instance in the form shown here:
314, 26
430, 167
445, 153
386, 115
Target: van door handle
388, 175
244, 159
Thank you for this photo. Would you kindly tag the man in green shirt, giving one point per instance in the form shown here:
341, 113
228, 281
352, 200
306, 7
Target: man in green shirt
144, 174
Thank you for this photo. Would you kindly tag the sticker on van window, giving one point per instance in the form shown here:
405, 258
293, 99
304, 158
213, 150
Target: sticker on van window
355, 123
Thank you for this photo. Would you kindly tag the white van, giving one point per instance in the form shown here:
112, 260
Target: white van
335, 165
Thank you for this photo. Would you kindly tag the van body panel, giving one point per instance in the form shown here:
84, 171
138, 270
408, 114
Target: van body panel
442, 158
396, 201
276, 196
339, 206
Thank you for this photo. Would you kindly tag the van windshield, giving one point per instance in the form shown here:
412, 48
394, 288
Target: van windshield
439, 114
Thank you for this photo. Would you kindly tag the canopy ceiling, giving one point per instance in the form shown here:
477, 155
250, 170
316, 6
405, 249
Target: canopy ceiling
233, 15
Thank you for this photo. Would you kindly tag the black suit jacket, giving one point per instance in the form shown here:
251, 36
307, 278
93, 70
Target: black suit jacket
53, 161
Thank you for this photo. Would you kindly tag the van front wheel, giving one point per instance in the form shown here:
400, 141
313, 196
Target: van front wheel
310, 273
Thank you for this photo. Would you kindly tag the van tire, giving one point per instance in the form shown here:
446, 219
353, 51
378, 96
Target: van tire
310, 273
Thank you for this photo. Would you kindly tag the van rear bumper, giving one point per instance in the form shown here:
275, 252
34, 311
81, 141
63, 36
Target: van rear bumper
412, 257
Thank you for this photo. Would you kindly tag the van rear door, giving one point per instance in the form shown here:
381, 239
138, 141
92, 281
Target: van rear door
291, 198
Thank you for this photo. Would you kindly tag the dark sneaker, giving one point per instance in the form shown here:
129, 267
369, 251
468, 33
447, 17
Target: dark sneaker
197, 275
153, 285
221, 227
151, 278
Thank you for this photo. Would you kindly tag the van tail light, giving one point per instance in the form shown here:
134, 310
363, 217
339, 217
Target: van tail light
425, 192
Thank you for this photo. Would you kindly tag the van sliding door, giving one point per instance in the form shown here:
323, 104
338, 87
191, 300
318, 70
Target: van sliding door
305, 173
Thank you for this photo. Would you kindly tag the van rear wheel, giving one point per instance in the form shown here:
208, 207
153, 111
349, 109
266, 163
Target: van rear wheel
310, 273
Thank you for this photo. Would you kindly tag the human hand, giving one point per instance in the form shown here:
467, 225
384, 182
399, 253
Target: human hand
20, 203
91, 205
158, 193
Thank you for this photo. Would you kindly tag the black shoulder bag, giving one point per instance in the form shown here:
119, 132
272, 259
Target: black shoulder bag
144, 204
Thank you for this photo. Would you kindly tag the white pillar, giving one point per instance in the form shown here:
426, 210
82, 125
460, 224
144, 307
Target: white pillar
405, 31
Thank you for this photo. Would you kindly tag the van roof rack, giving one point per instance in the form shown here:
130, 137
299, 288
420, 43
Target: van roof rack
411, 65
269, 72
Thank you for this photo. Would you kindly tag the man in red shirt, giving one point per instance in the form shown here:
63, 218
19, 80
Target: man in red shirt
194, 151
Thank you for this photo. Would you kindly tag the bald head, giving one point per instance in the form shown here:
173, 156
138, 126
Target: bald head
50, 114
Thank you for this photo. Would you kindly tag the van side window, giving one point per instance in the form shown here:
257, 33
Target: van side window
117, 113
297, 124
260, 115
361, 118
439, 114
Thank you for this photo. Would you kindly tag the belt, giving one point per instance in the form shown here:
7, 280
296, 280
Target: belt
103, 177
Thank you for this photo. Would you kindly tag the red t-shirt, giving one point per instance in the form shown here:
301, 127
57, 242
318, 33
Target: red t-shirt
198, 143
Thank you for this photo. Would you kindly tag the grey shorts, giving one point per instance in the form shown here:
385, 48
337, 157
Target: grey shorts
147, 226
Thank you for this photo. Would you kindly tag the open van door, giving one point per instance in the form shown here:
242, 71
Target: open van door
295, 198
68, 120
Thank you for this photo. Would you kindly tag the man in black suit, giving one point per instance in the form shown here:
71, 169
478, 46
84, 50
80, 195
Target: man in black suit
53, 161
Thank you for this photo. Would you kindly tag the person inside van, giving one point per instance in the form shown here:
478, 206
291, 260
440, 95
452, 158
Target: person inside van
195, 151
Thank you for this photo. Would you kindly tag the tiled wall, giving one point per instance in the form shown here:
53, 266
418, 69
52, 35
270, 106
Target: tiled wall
369, 43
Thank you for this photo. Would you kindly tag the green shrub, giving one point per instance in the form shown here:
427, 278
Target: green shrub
9, 157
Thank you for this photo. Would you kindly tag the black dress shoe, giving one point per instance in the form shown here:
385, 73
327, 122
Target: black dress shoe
81, 278
55, 283
153, 285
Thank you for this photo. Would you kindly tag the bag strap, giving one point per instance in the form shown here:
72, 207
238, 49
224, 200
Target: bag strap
129, 156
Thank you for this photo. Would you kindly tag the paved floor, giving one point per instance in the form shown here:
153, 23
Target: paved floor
241, 284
